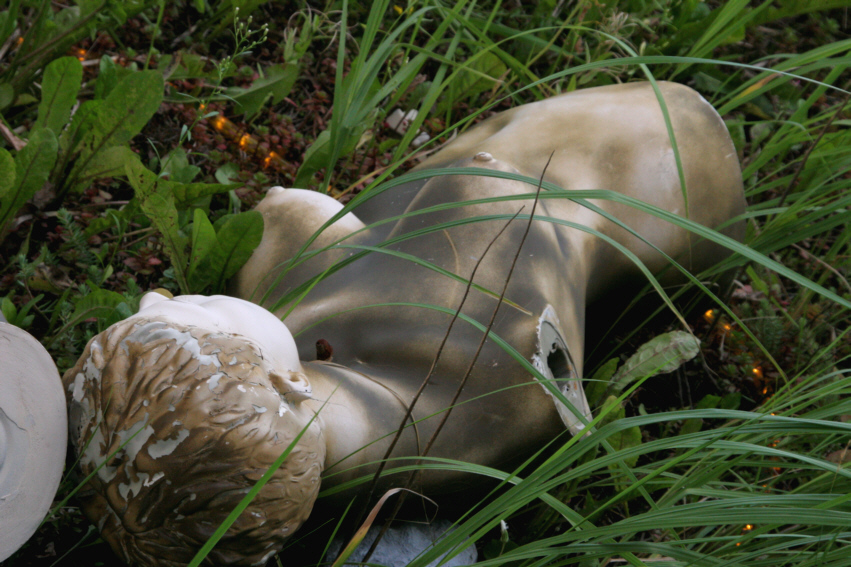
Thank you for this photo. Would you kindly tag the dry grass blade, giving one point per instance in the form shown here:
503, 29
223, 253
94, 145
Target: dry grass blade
412, 477
810, 149
364, 528
426, 380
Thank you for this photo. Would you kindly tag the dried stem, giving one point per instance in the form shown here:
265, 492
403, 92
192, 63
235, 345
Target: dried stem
413, 475
410, 407
803, 164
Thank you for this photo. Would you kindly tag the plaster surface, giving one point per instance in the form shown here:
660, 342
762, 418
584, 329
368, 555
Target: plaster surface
190, 400
33, 435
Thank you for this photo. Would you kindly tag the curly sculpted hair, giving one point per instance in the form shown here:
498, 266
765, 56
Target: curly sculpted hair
177, 424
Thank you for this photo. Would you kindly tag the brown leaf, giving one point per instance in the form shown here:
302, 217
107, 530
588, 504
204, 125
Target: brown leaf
840, 457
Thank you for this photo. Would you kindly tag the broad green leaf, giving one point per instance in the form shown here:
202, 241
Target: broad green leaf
186, 193
186, 65
62, 80
204, 241
107, 77
664, 353
277, 84
122, 115
599, 383
691, 426
32, 164
101, 303
319, 153
80, 125
623, 439
315, 157
237, 238
18, 317
130, 106
156, 199
7, 172
227, 173
24, 99
110, 163
8, 309
98, 225
694, 425
7, 95
177, 167
731, 401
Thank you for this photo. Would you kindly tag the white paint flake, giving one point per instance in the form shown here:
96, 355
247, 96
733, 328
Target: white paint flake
165, 447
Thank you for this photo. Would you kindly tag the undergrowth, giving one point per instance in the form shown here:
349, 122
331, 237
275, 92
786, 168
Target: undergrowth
736, 457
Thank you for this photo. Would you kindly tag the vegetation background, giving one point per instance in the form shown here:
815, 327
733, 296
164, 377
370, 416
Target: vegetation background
137, 135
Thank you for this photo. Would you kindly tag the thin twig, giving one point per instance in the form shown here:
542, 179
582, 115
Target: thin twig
413, 475
836, 272
410, 407
8, 43
10, 137
493, 315
794, 180
145, 231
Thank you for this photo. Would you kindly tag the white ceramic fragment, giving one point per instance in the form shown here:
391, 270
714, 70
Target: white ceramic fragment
403, 542
33, 435
399, 121
421, 139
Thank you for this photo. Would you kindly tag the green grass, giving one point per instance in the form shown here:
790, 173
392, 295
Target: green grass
759, 481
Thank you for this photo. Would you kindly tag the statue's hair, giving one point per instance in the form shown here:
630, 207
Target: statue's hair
182, 422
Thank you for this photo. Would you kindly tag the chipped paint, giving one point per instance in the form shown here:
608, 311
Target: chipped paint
158, 330
165, 447
135, 487
213, 381
134, 438
237, 423
154, 478
93, 456
77, 393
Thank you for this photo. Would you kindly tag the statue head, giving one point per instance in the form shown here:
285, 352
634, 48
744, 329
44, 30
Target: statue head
177, 423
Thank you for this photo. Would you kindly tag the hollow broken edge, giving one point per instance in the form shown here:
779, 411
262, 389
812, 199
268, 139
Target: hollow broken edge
554, 362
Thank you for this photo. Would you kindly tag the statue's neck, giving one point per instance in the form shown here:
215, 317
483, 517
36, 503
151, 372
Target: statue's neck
355, 412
